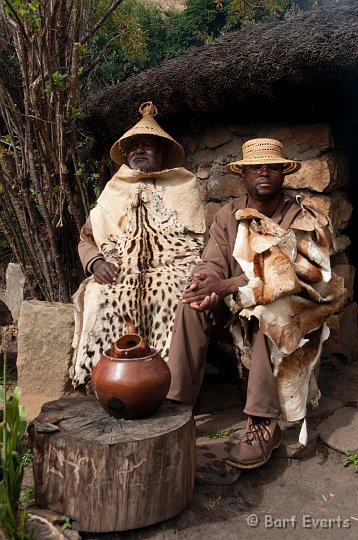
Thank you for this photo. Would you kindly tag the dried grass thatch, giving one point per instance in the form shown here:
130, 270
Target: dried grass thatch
303, 68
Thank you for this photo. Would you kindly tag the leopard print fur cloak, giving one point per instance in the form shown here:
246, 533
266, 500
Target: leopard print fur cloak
155, 253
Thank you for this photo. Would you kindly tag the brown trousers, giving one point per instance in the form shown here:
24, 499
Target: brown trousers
187, 359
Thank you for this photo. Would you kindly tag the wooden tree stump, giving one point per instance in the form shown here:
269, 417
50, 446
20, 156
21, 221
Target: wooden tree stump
108, 474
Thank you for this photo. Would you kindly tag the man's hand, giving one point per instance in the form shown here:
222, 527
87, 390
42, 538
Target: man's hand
205, 291
104, 272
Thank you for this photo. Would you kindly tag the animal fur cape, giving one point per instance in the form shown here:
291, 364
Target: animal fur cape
291, 291
151, 226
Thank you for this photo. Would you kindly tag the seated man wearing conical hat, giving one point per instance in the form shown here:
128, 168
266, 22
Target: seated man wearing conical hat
267, 260
139, 246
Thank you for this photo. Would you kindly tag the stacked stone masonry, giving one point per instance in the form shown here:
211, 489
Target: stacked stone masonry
46, 330
321, 182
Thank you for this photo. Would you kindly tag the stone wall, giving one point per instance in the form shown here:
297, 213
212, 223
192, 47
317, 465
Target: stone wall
322, 182
45, 329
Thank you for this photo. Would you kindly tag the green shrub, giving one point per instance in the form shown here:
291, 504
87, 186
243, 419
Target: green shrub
351, 459
13, 426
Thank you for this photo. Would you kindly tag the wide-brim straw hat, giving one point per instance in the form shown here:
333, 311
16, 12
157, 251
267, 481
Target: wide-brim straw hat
261, 152
173, 152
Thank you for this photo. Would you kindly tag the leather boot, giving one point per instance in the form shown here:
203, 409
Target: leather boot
262, 436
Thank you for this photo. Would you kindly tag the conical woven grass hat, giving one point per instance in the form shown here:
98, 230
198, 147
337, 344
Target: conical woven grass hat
261, 152
173, 153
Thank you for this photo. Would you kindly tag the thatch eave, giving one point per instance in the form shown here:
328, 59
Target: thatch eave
307, 65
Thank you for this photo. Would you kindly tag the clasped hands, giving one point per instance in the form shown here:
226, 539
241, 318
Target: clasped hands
205, 291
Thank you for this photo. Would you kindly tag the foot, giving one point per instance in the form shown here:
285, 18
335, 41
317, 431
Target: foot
262, 436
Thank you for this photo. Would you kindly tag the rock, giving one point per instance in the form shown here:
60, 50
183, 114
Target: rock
347, 272
326, 407
231, 151
327, 173
216, 436
189, 144
202, 189
222, 185
203, 172
335, 206
340, 243
301, 141
42, 529
340, 431
304, 141
44, 347
210, 462
352, 370
47, 525
340, 381
217, 136
219, 422
14, 295
248, 131
339, 258
343, 337
340, 211
210, 210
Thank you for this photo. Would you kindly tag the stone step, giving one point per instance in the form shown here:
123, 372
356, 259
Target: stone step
340, 431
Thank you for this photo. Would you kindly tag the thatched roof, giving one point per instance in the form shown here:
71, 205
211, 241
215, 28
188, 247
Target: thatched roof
305, 67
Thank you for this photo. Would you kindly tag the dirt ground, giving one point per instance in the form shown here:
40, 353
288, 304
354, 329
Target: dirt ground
300, 492
315, 496
285, 497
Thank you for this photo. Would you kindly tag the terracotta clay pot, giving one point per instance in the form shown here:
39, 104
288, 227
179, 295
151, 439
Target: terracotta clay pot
131, 380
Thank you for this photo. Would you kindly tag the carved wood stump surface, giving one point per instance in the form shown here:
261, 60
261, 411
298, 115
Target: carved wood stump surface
108, 474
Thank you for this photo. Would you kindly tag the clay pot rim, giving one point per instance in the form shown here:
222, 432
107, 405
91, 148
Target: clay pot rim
130, 335
143, 358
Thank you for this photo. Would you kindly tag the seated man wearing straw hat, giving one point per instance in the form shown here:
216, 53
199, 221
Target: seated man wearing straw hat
267, 261
139, 246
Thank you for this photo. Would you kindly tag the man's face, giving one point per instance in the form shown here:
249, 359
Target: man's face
263, 182
144, 153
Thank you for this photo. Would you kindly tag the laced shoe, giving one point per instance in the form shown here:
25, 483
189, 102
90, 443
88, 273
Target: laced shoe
263, 435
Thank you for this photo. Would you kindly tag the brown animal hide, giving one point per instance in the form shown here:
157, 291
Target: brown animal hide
292, 292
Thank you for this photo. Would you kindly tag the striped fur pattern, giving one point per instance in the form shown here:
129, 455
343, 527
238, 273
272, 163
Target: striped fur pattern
155, 257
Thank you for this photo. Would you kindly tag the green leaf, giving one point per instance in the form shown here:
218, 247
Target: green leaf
3, 510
